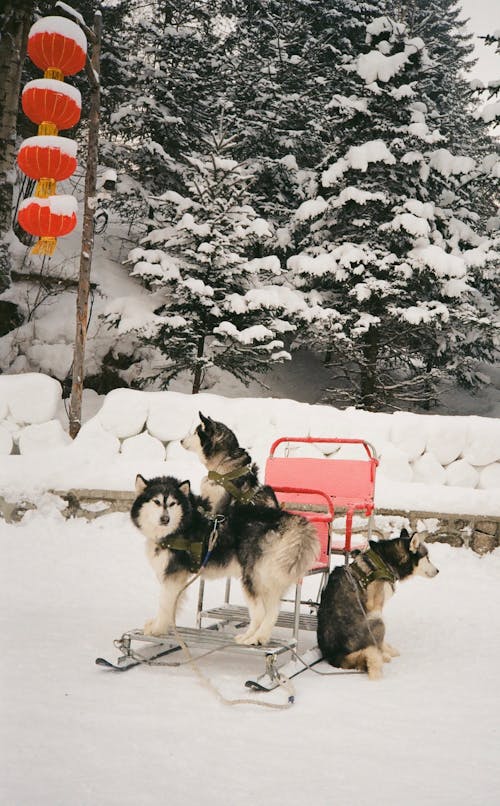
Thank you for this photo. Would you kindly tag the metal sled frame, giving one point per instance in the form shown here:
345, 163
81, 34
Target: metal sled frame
332, 484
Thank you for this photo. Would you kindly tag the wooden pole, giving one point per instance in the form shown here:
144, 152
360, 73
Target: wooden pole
82, 301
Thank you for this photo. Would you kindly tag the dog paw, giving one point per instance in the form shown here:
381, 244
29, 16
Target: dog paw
389, 650
154, 627
244, 639
258, 639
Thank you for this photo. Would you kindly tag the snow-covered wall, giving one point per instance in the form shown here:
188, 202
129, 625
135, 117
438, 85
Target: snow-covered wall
427, 462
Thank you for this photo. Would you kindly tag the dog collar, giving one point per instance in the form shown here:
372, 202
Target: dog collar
369, 566
226, 480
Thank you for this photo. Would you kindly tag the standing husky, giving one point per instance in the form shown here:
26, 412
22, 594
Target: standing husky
232, 476
351, 631
268, 548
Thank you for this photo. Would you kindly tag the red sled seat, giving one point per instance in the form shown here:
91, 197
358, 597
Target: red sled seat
303, 484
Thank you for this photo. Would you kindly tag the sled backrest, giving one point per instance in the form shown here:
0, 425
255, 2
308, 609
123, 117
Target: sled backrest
348, 483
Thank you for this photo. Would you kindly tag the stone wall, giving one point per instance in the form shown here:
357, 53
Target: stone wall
468, 531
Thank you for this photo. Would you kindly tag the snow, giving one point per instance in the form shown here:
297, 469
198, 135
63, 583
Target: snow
311, 208
59, 205
358, 158
376, 66
61, 26
63, 144
441, 262
60, 87
74, 733
449, 165
430, 463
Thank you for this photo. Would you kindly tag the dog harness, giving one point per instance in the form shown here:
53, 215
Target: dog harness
226, 480
369, 566
198, 551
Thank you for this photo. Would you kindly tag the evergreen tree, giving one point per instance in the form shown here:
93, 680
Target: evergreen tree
165, 98
387, 243
211, 306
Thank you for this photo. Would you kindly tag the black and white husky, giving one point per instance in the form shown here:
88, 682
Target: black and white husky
351, 631
232, 475
268, 548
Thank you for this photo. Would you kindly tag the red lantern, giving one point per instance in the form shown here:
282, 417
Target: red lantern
58, 46
49, 219
50, 159
47, 100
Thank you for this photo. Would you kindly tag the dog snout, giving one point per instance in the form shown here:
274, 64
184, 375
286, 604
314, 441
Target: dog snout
164, 519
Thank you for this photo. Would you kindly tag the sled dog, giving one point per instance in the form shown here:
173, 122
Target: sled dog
268, 548
232, 476
351, 631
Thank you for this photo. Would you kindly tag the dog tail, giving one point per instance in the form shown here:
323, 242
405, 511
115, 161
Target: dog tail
300, 548
365, 660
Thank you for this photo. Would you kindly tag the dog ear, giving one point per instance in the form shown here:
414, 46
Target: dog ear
185, 487
415, 542
207, 421
404, 533
140, 484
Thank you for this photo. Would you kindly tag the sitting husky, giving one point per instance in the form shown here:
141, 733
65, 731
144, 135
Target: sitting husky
350, 627
232, 476
268, 548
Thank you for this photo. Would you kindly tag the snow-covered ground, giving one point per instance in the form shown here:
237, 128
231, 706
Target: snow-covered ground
73, 734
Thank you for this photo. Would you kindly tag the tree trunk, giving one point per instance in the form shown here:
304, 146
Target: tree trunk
198, 372
15, 22
369, 383
82, 300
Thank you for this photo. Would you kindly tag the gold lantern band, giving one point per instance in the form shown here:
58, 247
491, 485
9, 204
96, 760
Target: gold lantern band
54, 72
46, 127
45, 188
45, 246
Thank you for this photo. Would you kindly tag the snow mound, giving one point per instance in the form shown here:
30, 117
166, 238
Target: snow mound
31, 398
43, 437
489, 477
446, 440
483, 442
124, 412
461, 474
170, 417
93, 438
143, 446
428, 470
409, 439
394, 465
5, 441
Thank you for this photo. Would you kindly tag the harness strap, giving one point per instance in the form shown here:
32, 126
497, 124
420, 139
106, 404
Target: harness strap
369, 566
226, 480
198, 551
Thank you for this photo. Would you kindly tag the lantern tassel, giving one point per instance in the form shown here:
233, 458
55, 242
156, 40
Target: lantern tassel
45, 246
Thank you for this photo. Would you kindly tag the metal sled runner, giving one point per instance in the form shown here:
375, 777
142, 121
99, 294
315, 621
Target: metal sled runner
318, 489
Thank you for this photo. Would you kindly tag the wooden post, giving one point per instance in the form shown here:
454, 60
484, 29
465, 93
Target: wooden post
82, 302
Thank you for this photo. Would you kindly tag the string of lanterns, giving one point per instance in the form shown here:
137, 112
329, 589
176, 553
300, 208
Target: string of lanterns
57, 46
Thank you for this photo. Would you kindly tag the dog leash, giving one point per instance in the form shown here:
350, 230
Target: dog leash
283, 681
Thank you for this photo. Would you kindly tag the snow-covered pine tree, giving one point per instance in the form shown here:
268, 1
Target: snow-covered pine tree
445, 84
287, 70
381, 245
211, 303
168, 100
